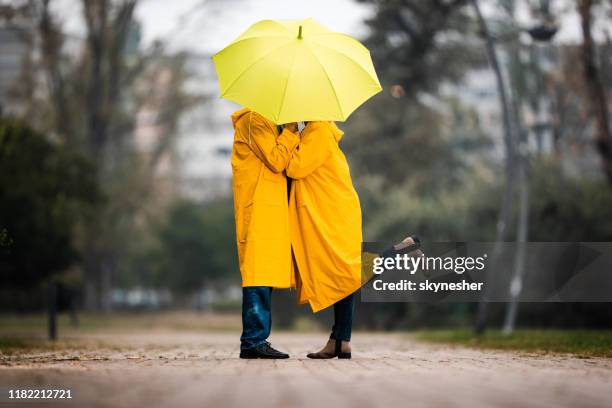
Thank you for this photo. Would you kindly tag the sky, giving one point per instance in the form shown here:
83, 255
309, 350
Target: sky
209, 27
206, 26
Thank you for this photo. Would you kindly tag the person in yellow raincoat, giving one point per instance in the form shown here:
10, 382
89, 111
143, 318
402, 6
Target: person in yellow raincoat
325, 228
260, 154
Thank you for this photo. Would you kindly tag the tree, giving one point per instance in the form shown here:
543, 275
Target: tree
597, 99
395, 135
92, 106
44, 191
420, 44
197, 246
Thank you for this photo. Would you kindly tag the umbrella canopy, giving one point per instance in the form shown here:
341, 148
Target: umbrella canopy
296, 70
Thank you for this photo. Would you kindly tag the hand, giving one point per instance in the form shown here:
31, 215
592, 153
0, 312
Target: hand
292, 127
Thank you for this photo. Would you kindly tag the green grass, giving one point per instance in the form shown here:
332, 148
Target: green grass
35, 325
585, 343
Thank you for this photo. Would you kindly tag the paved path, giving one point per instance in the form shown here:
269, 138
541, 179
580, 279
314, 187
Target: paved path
196, 370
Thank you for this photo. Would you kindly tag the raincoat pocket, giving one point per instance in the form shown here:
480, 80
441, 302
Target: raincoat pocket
271, 176
273, 190
244, 221
299, 198
243, 189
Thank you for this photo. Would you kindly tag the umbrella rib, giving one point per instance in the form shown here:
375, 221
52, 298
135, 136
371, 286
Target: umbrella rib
246, 69
347, 57
329, 80
286, 85
257, 36
240, 41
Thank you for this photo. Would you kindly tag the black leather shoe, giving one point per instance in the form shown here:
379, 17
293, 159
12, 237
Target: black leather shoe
263, 351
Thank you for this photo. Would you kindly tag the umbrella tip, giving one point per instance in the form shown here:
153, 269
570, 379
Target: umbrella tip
300, 33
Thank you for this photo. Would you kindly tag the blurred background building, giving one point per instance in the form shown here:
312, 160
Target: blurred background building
13, 52
205, 144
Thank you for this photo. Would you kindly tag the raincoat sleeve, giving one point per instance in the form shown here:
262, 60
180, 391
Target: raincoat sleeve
314, 150
274, 152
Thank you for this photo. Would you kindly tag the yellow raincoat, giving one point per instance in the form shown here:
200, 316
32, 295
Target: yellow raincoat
259, 158
324, 218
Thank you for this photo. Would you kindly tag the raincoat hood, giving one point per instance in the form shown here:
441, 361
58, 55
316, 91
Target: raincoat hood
329, 125
337, 132
238, 114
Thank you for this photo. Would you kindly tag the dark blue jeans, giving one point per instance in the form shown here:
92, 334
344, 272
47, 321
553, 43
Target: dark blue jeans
256, 316
343, 318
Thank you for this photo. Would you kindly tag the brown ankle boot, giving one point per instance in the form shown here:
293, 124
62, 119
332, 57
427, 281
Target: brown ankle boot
410, 245
326, 353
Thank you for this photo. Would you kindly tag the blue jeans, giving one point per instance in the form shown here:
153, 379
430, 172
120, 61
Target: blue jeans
343, 318
256, 316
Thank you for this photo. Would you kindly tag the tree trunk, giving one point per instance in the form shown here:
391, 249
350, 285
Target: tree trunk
106, 277
505, 212
596, 92
51, 42
74, 308
52, 309
106, 36
96, 18
91, 275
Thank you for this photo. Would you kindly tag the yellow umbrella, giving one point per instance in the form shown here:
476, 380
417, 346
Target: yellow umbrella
296, 70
